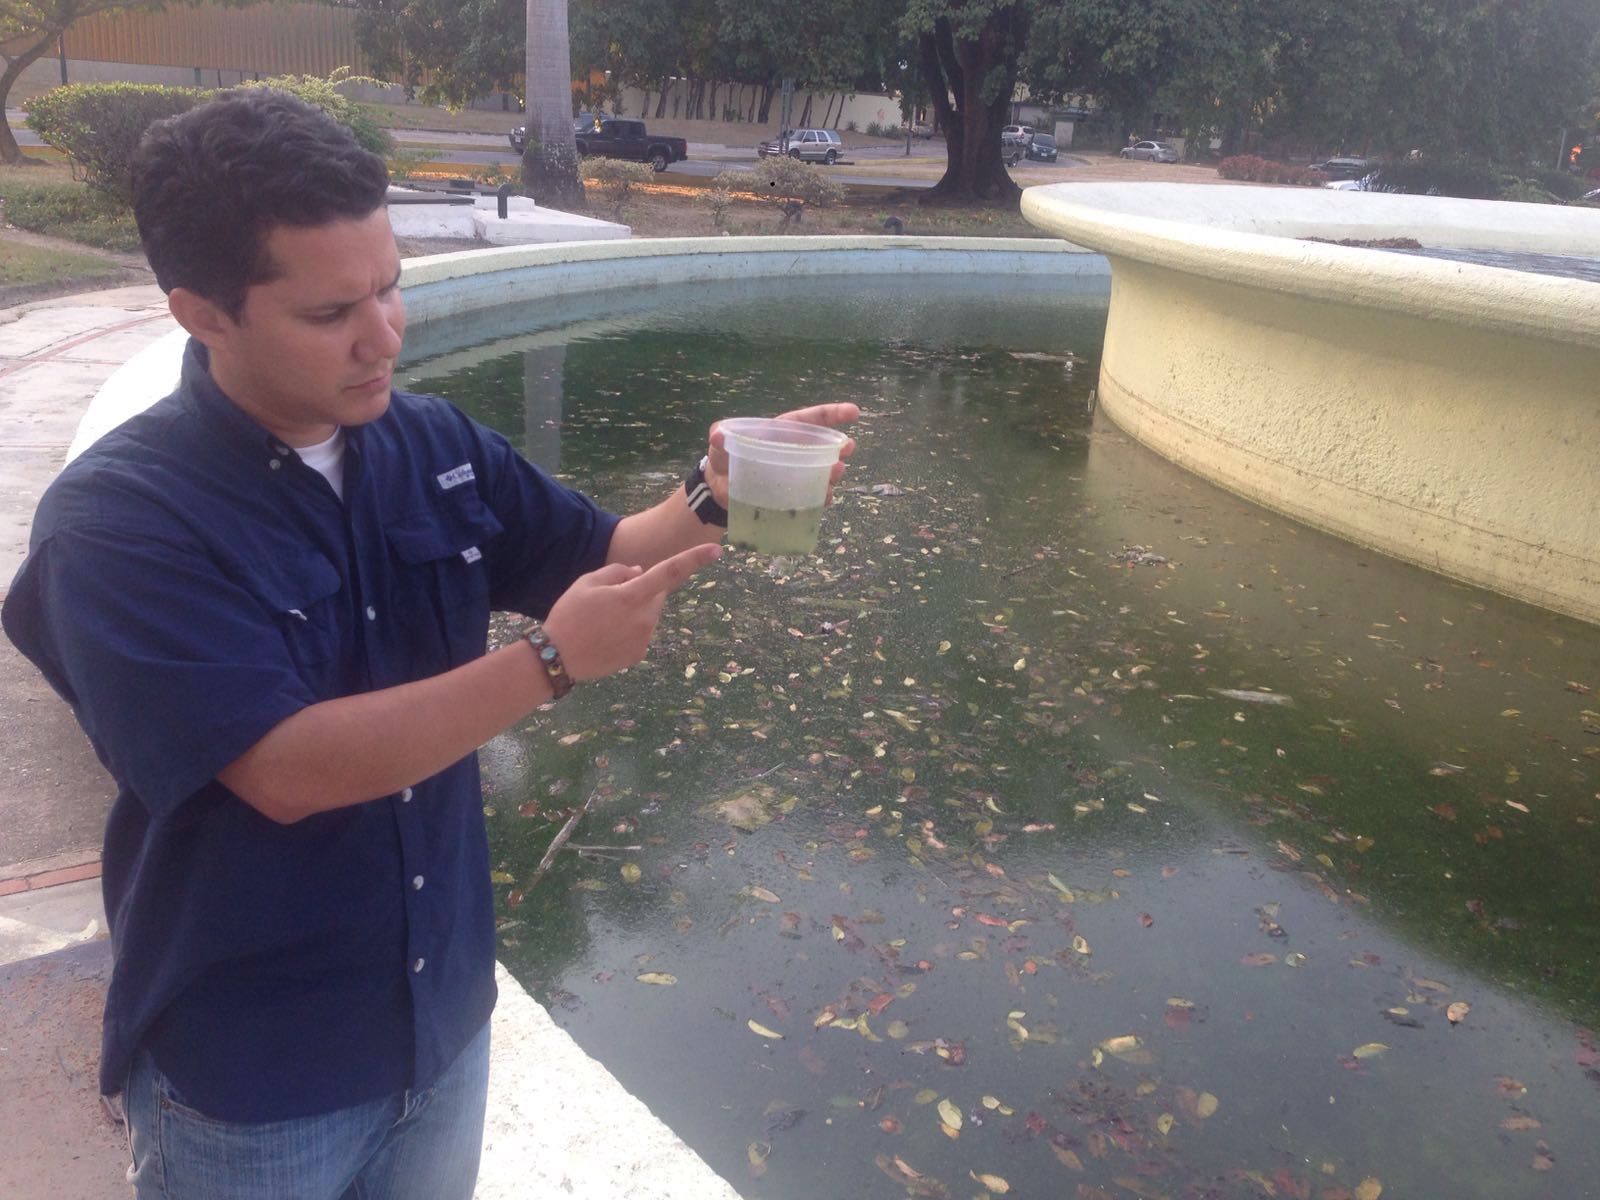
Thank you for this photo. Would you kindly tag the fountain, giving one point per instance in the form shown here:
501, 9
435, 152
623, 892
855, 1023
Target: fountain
1442, 412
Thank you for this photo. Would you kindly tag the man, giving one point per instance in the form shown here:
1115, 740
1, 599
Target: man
267, 601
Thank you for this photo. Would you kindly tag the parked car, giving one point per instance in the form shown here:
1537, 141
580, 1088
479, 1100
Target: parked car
1346, 167
1042, 148
580, 123
810, 145
615, 138
1151, 151
1018, 135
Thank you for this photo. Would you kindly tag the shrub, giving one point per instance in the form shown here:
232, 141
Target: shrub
781, 179
615, 179
360, 119
1527, 191
718, 200
852, 127
1563, 185
1466, 179
1255, 169
98, 127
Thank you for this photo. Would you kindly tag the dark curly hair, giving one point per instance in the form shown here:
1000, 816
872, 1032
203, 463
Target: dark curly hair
210, 185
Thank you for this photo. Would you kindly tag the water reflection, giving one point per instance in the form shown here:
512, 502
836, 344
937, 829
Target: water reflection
988, 801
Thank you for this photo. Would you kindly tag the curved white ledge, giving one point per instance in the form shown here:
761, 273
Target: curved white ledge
1444, 413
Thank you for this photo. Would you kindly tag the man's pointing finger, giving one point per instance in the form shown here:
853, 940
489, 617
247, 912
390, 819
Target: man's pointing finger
672, 573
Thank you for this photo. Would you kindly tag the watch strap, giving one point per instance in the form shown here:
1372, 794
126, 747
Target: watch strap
700, 500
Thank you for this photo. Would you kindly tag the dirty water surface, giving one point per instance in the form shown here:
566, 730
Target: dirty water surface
1064, 826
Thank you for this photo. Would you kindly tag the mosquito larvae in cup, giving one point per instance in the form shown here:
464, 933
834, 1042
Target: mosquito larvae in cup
773, 530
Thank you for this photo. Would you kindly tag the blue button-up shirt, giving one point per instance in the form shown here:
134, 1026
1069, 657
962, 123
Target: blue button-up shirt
191, 583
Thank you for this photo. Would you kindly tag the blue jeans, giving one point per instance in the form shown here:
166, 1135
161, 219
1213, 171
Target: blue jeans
414, 1145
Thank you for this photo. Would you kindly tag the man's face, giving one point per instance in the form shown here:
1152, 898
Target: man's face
315, 347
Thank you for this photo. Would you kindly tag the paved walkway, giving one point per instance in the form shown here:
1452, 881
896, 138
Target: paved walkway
554, 1113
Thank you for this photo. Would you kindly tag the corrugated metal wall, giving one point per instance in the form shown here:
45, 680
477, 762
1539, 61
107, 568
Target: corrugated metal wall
272, 39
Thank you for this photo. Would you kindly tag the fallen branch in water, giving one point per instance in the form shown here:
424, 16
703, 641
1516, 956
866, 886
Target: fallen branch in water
559, 841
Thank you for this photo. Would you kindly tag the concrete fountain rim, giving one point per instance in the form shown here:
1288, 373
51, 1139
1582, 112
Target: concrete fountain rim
1250, 236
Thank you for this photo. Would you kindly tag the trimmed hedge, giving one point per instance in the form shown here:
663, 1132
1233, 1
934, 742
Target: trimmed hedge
1255, 169
784, 178
98, 126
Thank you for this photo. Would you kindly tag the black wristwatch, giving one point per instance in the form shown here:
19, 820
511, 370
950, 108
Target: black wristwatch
701, 502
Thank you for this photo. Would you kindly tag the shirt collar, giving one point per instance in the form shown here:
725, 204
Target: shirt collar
238, 428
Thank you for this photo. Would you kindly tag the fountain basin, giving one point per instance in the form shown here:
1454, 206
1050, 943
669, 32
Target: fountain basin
1444, 413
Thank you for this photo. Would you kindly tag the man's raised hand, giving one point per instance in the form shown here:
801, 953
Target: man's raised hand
603, 623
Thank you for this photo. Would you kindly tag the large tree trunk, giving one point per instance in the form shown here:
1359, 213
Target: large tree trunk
10, 152
550, 162
958, 73
661, 100
764, 114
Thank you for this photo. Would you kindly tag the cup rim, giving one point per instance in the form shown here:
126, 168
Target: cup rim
753, 429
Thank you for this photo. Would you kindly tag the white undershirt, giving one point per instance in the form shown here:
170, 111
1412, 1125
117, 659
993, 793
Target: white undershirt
327, 459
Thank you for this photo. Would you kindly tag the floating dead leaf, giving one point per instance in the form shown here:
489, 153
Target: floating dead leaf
1205, 1105
1518, 1124
898, 1029
1542, 1158
1294, 959
993, 1182
630, 872
1520, 807
1258, 960
1121, 1046
1369, 1189
761, 1030
1067, 1158
1080, 944
1508, 1086
761, 893
1164, 1123
949, 1113
659, 978
1369, 1050
746, 812
914, 1181
1458, 1011
925, 1096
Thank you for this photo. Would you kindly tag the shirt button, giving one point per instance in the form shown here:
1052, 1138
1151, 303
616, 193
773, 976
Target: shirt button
405, 796
281, 449
275, 464
372, 613
416, 883
416, 967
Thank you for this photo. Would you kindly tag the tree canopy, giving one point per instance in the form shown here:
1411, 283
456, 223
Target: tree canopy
1492, 79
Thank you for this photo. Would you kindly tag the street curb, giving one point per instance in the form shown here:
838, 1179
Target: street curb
43, 873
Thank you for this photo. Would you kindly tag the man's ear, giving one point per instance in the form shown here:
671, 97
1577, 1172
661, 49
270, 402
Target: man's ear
206, 323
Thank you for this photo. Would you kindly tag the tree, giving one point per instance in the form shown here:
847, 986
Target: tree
550, 160
37, 25
443, 51
969, 51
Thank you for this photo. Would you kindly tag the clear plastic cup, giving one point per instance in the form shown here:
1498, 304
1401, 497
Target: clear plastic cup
778, 482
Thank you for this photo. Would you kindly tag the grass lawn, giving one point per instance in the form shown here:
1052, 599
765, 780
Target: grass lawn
22, 264
42, 197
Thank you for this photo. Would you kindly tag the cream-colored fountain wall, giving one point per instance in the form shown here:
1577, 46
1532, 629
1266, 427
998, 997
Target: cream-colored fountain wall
1446, 414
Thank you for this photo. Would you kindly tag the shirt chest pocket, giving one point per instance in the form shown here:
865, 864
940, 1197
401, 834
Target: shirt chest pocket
300, 590
440, 589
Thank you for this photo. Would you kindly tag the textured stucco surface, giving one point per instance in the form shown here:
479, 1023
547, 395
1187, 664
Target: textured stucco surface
1445, 414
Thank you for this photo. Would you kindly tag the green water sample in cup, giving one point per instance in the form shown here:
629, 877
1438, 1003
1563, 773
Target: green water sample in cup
774, 530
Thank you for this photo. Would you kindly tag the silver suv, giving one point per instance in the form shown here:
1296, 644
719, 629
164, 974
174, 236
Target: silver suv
812, 145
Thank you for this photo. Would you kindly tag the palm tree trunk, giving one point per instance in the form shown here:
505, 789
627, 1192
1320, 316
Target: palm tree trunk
550, 162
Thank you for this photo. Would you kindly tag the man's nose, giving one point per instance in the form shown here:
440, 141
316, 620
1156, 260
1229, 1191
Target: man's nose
379, 338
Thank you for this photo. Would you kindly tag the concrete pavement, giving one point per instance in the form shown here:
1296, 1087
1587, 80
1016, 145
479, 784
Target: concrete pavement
553, 1112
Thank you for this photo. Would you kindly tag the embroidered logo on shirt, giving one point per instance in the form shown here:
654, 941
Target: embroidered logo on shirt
471, 554
456, 476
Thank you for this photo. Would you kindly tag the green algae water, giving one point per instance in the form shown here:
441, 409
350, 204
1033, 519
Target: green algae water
773, 530
1062, 820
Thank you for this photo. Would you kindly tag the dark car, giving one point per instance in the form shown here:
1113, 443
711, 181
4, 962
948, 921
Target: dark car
1042, 148
581, 123
1346, 167
613, 137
